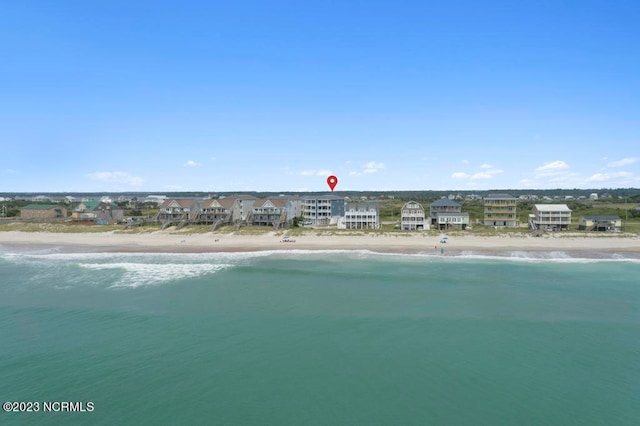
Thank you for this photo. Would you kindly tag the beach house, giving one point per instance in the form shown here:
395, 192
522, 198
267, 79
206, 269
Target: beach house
242, 207
322, 209
412, 217
43, 212
102, 212
550, 217
446, 213
452, 220
174, 209
602, 223
443, 205
210, 211
360, 216
500, 210
276, 211
270, 212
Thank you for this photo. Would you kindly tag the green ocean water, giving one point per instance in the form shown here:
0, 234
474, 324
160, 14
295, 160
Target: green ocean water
296, 338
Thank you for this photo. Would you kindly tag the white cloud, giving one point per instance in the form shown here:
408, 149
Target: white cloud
192, 163
487, 174
214, 158
370, 167
553, 168
373, 167
623, 162
604, 177
315, 173
116, 177
465, 161
558, 174
460, 175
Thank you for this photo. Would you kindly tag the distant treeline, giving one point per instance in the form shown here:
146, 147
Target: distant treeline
631, 194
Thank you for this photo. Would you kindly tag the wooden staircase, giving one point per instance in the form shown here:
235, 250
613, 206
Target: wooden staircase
220, 222
281, 222
246, 222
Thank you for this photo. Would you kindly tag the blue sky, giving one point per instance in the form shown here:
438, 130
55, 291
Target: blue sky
275, 96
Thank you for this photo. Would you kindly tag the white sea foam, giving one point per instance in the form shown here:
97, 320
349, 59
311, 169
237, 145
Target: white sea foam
141, 274
229, 256
239, 258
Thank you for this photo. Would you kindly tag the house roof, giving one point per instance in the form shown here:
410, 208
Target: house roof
418, 205
276, 202
182, 202
211, 203
552, 207
500, 197
40, 206
463, 214
90, 205
363, 206
322, 197
603, 217
445, 202
240, 197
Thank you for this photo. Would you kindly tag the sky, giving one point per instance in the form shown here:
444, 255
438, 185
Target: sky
277, 95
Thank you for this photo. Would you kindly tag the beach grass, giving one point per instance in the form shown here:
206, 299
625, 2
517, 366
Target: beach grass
58, 227
630, 227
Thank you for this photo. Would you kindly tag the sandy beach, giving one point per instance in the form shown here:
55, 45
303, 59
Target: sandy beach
389, 243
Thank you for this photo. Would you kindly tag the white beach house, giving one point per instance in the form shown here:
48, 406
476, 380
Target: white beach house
550, 217
412, 217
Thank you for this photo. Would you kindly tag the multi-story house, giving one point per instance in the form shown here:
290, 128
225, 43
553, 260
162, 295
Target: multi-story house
412, 217
211, 211
242, 207
270, 212
500, 210
360, 217
446, 213
278, 212
174, 209
322, 209
443, 205
294, 207
550, 217
452, 220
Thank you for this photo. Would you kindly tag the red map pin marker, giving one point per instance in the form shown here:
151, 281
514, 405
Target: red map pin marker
332, 181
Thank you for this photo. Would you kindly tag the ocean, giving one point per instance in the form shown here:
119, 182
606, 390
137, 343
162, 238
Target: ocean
319, 338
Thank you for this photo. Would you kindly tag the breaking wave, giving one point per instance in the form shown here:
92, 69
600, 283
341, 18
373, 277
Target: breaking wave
140, 274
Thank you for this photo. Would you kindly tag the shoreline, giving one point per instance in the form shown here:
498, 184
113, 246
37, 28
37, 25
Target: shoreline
590, 246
